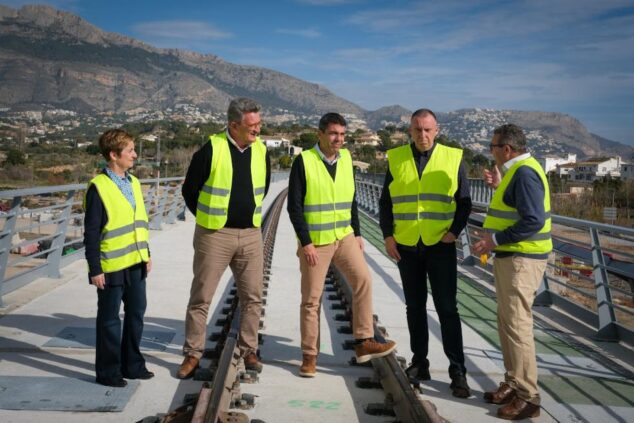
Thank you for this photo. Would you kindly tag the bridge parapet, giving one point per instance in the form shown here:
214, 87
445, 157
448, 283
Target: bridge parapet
590, 271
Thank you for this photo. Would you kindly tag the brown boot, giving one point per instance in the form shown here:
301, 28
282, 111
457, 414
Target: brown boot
188, 368
518, 409
309, 366
370, 348
503, 395
252, 362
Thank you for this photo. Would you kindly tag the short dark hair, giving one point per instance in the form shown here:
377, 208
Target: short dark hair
113, 140
511, 135
423, 113
329, 119
239, 107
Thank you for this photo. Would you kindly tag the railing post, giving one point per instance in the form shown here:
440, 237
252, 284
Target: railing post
6, 236
543, 295
54, 258
465, 240
157, 220
607, 319
173, 208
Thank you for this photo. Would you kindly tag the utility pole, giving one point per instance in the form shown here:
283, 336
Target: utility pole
158, 167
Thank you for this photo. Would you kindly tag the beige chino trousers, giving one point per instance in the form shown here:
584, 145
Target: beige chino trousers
516, 282
214, 250
346, 255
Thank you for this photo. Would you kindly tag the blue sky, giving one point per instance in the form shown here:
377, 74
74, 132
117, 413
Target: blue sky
570, 56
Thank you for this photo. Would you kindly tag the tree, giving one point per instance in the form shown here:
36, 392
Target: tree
285, 161
386, 140
306, 140
15, 157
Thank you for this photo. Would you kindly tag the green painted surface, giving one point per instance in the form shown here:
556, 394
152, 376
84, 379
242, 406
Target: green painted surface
589, 391
478, 310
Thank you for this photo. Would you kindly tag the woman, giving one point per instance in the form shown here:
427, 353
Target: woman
116, 240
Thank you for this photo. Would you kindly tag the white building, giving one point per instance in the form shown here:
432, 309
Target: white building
593, 169
275, 142
627, 170
551, 162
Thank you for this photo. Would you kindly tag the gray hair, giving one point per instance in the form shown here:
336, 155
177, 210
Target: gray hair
511, 135
239, 107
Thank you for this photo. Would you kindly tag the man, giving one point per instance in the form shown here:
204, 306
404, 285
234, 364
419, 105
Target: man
323, 210
424, 206
225, 184
518, 231
117, 252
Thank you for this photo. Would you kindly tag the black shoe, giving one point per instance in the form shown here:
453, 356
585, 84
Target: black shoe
459, 387
418, 371
114, 382
145, 375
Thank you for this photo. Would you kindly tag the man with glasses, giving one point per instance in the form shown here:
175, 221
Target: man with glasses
424, 206
517, 228
226, 182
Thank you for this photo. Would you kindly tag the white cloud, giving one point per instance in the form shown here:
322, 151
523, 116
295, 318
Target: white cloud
180, 30
305, 33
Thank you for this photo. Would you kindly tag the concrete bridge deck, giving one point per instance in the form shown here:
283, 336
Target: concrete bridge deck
581, 379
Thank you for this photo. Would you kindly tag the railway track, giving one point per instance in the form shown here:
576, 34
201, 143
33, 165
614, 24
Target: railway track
220, 398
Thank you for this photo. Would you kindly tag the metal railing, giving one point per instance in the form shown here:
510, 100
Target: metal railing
590, 272
41, 228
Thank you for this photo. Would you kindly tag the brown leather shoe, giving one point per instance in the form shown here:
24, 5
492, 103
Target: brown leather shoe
309, 366
518, 409
503, 395
252, 362
189, 366
369, 349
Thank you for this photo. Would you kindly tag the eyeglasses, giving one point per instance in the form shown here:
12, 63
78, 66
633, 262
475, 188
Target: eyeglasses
492, 146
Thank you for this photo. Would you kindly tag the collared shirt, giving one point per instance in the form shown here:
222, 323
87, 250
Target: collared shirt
124, 183
232, 141
506, 166
323, 157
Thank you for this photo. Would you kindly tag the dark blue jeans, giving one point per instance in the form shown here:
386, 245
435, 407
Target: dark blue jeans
438, 263
119, 354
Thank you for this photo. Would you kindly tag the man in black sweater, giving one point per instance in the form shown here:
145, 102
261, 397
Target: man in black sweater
224, 187
424, 205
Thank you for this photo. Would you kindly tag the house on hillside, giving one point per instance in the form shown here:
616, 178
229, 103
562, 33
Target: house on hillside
590, 170
627, 171
275, 141
550, 163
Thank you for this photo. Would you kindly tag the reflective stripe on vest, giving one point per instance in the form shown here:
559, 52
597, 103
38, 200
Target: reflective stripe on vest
328, 203
213, 199
423, 208
124, 239
501, 216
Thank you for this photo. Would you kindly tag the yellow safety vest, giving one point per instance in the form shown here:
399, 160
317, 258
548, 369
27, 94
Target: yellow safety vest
500, 216
213, 199
424, 207
328, 203
124, 239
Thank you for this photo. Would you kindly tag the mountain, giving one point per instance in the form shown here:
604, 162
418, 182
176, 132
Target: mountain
548, 133
54, 59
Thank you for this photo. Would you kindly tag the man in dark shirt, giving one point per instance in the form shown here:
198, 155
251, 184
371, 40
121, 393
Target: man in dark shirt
423, 208
323, 210
224, 187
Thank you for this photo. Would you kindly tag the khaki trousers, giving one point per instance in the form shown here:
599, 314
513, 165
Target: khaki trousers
346, 255
516, 281
214, 250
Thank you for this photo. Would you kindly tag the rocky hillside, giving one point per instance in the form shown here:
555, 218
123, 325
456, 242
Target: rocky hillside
56, 58
548, 133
